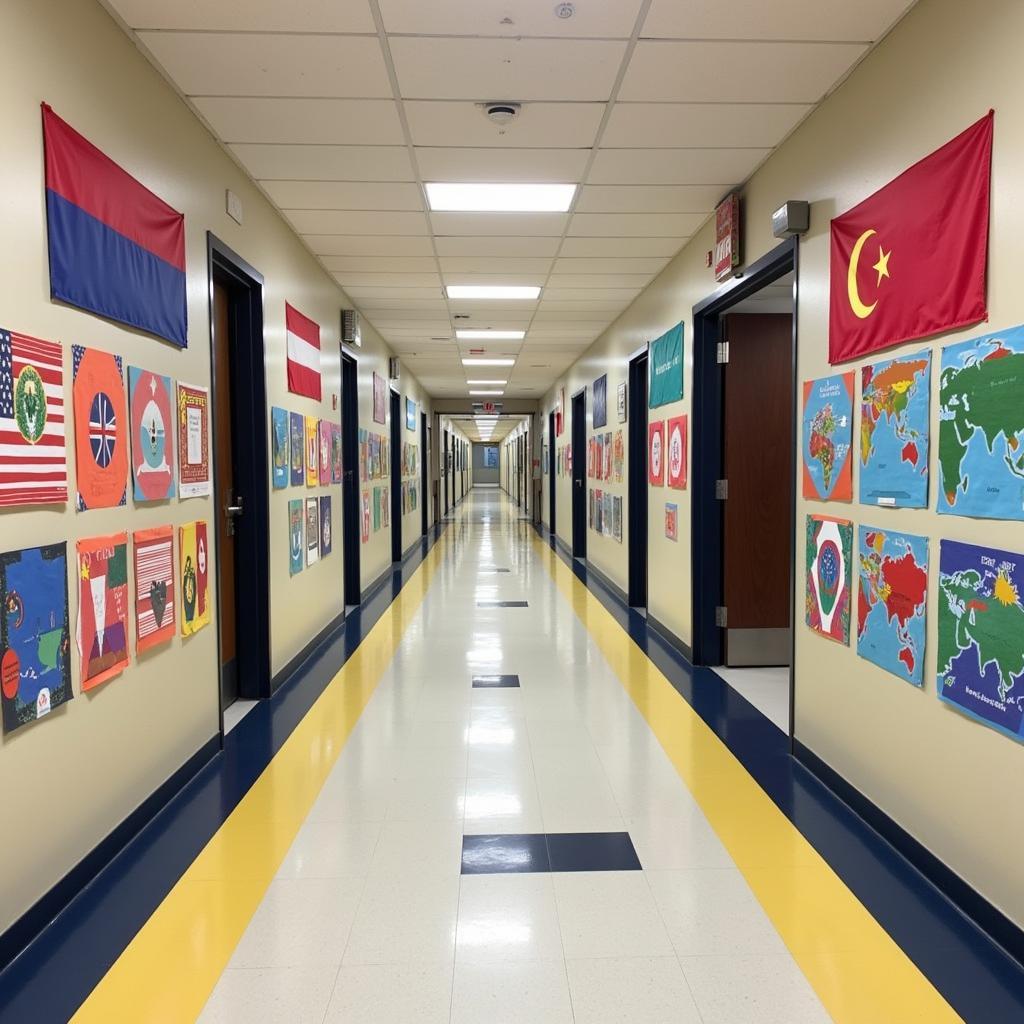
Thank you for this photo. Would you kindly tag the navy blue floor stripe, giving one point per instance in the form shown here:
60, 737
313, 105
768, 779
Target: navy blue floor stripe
520, 853
977, 977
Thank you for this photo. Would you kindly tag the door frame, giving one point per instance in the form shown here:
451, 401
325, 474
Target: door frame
578, 433
249, 413
424, 474
708, 424
637, 491
552, 465
395, 497
351, 511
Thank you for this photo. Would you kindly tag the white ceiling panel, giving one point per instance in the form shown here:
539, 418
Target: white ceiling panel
648, 198
623, 246
494, 265
372, 245
467, 277
767, 72
721, 167
499, 223
504, 165
345, 195
381, 264
863, 21
426, 308
620, 265
255, 15
656, 125
326, 163
598, 280
609, 306
586, 294
245, 119
643, 225
541, 125
356, 280
356, 222
360, 292
526, 69
567, 316
255, 64
494, 245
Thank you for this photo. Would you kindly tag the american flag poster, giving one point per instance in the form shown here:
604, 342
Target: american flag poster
101, 428
154, 586
33, 456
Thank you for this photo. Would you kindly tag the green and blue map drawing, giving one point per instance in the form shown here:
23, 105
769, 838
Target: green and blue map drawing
981, 427
827, 438
894, 432
891, 601
981, 634
279, 437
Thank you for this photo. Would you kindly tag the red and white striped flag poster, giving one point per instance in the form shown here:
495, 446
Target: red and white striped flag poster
33, 456
154, 586
303, 353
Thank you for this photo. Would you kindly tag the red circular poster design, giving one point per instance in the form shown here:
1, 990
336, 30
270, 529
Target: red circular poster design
101, 428
152, 434
656, 453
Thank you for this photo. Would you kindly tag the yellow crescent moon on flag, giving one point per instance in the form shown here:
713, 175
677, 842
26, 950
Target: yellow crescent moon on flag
856, 305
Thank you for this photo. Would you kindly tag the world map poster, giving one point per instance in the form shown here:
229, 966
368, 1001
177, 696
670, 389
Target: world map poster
981, 634
828, 556
894, 432
827, 438
981, 427
892, 599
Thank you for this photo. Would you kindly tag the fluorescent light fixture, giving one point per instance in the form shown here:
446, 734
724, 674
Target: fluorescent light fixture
486, 392
495, 197
492, 291
498, 335
488, 362
487, 382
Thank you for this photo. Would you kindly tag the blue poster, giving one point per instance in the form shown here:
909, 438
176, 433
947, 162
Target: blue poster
981, 635
981, 427
296, 536
410, 414
892, 599
827, 438
297, 447
894, 432
665, 376
279, 447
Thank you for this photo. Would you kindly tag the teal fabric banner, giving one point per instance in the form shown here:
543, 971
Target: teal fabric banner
665, 382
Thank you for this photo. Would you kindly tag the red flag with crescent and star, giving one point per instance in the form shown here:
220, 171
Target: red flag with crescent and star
910, 260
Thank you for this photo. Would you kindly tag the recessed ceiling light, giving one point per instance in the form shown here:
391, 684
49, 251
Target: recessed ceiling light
494, 197
486, 291
488, 362
486, 381
472, 392
502, 335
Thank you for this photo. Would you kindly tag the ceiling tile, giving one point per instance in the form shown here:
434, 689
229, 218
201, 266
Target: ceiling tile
499, 223
357, 280
569, 316
648, 198
620, 265
483, 265
643, 225
504, 165
526, 69
539, 125
362, 245
381, 264
585, 294
454, 245
598, 280
416, 307
326, 163
611, 306
765, 72
466, 277
245, 119
361, 292
611, 246
256, 15
356, 222
721, 167
344, 195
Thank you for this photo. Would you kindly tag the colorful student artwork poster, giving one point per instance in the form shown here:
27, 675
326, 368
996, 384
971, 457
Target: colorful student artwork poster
671, 521
981, 634
33, 455
336, 453
364, 518
828, 555
279, 448
656, 453
325, 453
621, 402
35, 638
194, 563
981, 427
325, 525
666, 368
410, 414
618, 456
894, 405
598, 511
102, 608
677, 452
892, 601
296, 537
380, 399
312, 531
312, 451
154, 586
828, 434
297, 446
149, 407
101, 428
617, 518
601, 400
193, 441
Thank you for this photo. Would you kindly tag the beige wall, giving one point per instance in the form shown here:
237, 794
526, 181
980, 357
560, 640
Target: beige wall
941, 776
97, 758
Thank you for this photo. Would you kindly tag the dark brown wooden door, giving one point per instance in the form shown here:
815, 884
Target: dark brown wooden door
758, 465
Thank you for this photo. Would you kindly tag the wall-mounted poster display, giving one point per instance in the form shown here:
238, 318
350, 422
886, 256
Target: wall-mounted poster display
35, 638
892, 601
981, 427
154, 586
102, 608
325, 453
665, 376
410, 414
336, 453
656, 453
364, 518
101, 428
33, 457
297, 446
617, 517
149, 407
618, 456
827, 437
599, 511
312, 451
296, 536
380, 399
194, 564
676, 445
279, 435
828, 576
325, 525
559, 411
621, 402
568, 460
193, 440
601, 400
671, 520
894, 432
312, 531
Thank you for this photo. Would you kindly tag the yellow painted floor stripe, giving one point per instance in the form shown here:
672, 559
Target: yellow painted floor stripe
169, 969
858, 971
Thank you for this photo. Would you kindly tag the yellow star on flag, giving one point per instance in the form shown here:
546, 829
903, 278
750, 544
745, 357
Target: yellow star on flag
882, 266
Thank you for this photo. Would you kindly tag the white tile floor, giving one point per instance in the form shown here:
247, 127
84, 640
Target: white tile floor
766, 688
370, 920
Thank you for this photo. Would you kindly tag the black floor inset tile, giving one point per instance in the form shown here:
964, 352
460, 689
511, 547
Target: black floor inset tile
592, 851
491, 568
502, 680
503, 604
488, 855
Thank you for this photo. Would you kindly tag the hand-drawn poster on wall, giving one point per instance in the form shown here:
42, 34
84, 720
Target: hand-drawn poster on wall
656, 453
35, 640
297, 446
149, 407
666, 368
601, 400
892, 600
312, 451
827, 436
380, 399
194, 564
894, 432
364, 517
296, 540
279, 447
154, 586
325, 453
617, 518
102, 608
621, 402
676, 445
981, 634
410, 414
101, 428
671, 520
981, 427
325, 525
193, 440
312, 531
618, 456
336, 453
828, 570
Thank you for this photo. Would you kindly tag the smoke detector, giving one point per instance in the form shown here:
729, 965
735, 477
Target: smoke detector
564, 11
501, 114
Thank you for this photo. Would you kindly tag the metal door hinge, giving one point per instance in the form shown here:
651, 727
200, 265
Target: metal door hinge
721, 489
722, 617
723, 351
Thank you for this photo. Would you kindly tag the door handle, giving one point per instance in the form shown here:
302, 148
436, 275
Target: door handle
235, 510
